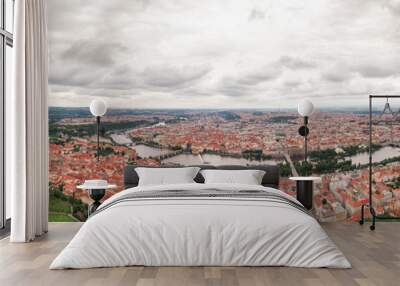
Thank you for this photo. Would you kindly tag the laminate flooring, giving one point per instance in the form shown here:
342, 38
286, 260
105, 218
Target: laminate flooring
375, 257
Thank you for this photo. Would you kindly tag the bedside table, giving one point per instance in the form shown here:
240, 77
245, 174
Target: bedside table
304, 186
96, 190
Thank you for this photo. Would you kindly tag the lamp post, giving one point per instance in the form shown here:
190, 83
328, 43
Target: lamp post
305, 108
98, 108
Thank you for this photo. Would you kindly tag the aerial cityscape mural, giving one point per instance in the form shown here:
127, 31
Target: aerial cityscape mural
218, 82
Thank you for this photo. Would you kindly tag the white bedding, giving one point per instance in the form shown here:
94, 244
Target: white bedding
200, 231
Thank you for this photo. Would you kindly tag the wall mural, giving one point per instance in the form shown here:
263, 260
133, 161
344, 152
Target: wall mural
218, 82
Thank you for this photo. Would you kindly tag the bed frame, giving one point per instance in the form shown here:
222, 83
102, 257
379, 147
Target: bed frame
270, 179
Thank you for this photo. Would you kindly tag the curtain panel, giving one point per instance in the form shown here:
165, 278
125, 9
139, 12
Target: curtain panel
28, 150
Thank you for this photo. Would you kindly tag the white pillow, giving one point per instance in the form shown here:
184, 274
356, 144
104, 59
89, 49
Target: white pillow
248, 177
166, 176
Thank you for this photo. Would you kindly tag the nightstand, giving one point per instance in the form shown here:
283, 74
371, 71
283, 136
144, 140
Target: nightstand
304, 192
96, 190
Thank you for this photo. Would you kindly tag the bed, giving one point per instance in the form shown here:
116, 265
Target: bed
197, 224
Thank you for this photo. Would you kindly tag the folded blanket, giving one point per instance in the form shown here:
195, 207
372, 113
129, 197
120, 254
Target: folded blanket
205, 193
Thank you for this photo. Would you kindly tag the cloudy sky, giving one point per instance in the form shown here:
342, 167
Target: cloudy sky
222, 53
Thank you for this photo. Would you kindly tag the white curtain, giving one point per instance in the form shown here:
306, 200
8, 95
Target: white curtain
28, 153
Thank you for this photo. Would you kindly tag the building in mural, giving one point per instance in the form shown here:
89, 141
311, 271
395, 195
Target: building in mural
337, 151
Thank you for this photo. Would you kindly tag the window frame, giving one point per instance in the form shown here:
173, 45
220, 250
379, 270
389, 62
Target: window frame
6, 39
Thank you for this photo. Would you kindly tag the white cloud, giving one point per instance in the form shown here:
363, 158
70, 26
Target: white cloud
231, 53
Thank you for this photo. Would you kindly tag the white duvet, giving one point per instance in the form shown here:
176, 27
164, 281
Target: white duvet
193, 231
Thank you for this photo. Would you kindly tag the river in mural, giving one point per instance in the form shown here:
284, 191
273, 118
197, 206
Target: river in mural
145, 151
383, 153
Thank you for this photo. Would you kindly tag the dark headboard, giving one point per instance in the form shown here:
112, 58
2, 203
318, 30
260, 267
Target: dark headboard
270, 179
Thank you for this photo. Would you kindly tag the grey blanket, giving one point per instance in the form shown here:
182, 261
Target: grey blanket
202, 194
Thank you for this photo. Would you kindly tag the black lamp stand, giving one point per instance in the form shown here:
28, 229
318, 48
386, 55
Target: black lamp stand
304, 193
96, 195
303, 131
305, 137
98, 137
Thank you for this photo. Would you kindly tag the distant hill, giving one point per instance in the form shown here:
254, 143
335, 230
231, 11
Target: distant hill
58, 113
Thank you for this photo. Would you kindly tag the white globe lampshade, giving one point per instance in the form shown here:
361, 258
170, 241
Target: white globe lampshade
98, 107
305, 108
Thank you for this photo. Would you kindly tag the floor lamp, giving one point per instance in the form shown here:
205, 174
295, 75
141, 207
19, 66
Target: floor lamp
305, 108
304, 183
98, 108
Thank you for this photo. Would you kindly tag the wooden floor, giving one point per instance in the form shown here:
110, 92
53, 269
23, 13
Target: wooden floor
375, 257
